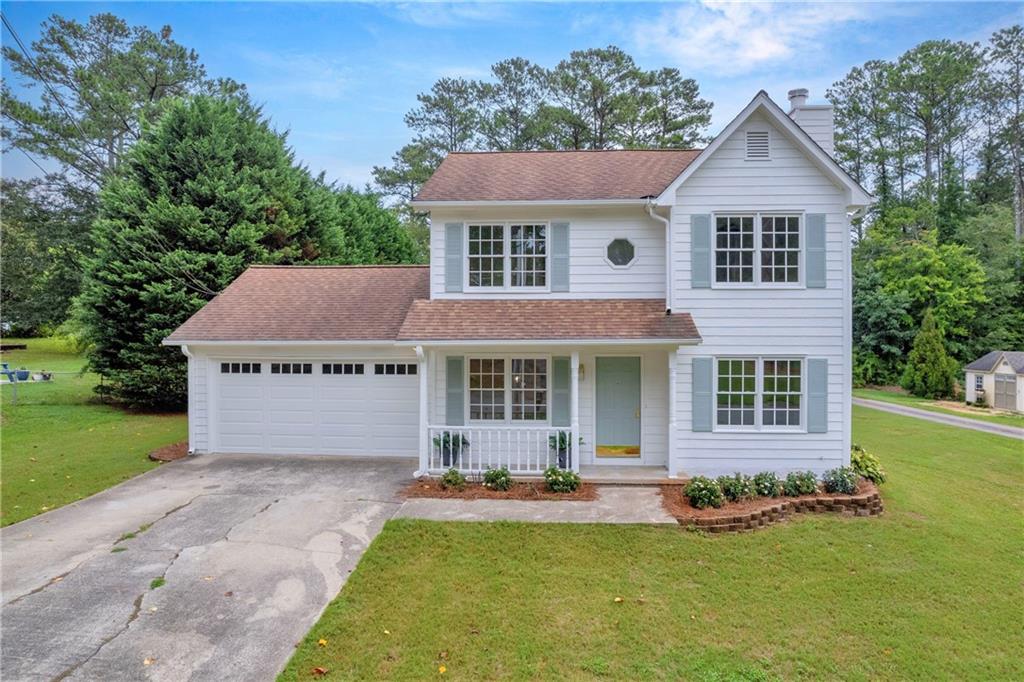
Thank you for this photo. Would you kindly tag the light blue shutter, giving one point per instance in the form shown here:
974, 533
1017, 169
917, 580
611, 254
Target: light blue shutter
454, 410
815, 251
559, 256
817, 395
560, 393
702, 394
453, 256
700, 252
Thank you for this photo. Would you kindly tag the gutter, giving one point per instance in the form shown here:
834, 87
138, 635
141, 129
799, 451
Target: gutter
668, 252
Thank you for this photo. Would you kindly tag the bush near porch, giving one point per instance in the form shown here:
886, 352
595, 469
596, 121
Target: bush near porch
929, 590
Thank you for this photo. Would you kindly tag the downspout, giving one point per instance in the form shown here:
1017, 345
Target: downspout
668, 253
185, 350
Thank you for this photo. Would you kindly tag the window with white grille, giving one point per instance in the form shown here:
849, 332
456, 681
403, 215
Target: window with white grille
757, 145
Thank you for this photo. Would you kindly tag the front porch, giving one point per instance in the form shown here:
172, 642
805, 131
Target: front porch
604, 411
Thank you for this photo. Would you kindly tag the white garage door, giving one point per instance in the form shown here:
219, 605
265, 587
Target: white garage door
304, 407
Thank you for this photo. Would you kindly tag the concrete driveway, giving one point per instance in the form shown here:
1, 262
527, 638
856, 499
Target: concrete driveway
251, 549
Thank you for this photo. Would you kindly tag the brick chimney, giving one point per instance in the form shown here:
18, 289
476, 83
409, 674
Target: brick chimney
815, 119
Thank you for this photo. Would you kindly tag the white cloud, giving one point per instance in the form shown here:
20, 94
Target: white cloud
451, 14
297, 74
729, 38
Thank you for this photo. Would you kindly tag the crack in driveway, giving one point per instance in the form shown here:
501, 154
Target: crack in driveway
283, 569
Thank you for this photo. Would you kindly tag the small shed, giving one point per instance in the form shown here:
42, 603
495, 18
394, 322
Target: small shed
997, 380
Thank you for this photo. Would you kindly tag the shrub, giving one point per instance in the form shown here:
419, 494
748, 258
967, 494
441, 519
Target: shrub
767, 484
800, 483
453, 479
930, 371
703, 492
736, 487
866, 464
498, 479
842, 480
561, 480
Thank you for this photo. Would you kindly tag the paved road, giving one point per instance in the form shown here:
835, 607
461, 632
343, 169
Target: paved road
947, 419
252, 548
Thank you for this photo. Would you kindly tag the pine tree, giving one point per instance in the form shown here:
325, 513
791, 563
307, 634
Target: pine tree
930, 372
207, 191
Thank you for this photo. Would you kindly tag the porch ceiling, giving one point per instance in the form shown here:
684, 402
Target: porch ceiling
568, 320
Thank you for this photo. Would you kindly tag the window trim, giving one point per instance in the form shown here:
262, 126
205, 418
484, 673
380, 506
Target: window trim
801, 282
758, 426
508, 420
631, 263
979, 382
506, 257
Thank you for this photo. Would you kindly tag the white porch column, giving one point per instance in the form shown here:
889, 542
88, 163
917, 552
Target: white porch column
673, 387
424, 450
574, 401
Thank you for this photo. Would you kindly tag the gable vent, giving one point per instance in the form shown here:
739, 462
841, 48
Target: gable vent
757, 145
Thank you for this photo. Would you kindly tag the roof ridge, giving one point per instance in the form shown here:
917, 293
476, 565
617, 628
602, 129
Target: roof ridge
574, 151
356, 266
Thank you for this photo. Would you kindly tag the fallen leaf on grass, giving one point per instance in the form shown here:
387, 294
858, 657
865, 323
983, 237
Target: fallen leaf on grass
618, 600
319, 671
443, 655
387, 632
441, 669
321, 642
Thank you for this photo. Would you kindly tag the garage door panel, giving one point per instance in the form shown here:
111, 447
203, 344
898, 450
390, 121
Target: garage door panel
316, 413
241, 417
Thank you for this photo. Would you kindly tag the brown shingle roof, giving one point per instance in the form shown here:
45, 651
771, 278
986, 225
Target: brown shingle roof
307, 303
554, 176
589, 319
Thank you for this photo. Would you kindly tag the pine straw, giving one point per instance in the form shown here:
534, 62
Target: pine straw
169, 453
521, 490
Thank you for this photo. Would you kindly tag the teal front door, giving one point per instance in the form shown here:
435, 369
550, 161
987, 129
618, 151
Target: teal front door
618, 407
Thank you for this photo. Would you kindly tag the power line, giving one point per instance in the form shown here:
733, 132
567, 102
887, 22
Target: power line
45, 82
34, 162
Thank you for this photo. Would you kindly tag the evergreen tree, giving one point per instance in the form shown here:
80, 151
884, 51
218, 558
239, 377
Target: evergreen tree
207, 191
930, 372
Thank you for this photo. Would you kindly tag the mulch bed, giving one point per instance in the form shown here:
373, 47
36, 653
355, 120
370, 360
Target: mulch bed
169, 453
764, 511
520, 490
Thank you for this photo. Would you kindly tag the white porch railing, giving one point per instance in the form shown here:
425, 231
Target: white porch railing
524, 450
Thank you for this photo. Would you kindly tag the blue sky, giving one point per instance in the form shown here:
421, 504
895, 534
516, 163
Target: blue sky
340, 76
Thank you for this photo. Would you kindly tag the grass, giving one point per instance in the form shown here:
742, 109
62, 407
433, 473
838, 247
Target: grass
60, 444
156, 582
929, 405
930, 590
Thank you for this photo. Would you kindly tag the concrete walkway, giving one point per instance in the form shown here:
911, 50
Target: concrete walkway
250, 548
938, 418
623, 504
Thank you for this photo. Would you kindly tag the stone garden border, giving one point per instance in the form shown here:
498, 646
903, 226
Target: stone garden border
867, 502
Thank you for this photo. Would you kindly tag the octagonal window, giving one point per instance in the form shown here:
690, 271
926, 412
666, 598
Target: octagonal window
621, 252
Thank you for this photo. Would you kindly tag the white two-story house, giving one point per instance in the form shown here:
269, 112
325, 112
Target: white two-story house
682, 311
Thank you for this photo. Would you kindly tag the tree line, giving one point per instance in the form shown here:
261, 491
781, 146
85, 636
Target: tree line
594, 99
937, 135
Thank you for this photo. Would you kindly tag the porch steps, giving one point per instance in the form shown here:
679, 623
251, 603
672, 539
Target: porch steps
628, 475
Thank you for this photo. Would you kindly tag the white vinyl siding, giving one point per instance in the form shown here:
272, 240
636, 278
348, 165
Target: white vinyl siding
591, 230
766, 321
653, 384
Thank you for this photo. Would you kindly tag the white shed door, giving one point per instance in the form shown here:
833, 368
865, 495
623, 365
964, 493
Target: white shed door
310, 411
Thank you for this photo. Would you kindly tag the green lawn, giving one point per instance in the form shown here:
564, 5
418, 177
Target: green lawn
59, 444
929, 405
930, 590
